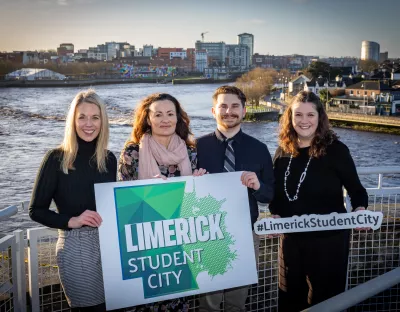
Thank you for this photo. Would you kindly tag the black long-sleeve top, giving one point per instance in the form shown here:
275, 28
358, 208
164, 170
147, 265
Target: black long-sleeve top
73, 193
250, 155
322, 189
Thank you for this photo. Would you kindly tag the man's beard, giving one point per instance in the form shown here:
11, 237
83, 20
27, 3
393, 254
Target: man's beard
222, 118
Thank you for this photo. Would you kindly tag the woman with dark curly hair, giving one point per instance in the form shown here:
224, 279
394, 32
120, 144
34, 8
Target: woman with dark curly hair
311, 167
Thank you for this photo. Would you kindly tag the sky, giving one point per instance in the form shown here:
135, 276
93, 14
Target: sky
280, 27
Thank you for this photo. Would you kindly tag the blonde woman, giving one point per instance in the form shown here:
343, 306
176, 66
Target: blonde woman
67, 175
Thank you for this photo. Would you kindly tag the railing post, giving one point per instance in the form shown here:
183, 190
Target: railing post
33, 271
12, 252
21, 272
380, 176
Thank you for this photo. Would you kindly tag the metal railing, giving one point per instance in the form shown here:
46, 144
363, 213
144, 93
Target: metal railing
357, 294
372, 254
8, 274
260, 109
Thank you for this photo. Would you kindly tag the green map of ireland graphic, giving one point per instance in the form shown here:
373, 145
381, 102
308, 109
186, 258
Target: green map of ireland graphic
170, 269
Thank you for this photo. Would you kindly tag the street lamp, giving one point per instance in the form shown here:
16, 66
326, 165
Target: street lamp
363, 85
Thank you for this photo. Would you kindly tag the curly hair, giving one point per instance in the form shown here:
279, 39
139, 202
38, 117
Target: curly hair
324, 135
141, 116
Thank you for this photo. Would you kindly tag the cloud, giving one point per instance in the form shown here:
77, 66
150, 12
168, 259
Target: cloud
62, 2
257, 21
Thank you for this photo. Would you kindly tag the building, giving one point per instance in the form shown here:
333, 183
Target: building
264, 61
297, 84
383, 56
181, 55
316, 85
237, 56
148, 50
216, 51
247, 39
369, 97
34, 74
201, 61
65, 49
166, 52
190, 54
216, 72
97, 55
370, 51
395, 74
112, 50
126, 50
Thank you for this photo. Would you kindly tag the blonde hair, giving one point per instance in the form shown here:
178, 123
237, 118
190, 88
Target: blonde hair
69, 146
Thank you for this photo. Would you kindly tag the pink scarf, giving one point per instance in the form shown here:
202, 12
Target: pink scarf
151, 152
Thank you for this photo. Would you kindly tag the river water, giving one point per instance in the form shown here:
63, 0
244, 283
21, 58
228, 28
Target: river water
32, 122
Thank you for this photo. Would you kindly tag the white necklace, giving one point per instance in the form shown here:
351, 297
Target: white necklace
302, 177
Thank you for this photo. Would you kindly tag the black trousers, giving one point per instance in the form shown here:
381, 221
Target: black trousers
96, 308
311, 269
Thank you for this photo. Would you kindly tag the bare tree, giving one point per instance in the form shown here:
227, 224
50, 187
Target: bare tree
256, 84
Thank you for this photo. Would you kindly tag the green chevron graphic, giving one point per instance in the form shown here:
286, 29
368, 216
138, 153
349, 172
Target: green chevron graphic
167, 237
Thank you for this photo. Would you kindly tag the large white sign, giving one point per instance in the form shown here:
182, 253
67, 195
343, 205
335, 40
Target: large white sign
310, 223
161, 240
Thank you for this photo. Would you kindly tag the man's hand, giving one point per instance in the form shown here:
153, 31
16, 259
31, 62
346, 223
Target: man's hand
88, 217
250, 180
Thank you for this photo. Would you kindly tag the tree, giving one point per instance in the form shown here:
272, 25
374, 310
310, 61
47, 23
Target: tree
317, 69
325, 96
256, 84
368, 65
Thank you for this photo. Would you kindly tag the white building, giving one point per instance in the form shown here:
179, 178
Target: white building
34, 74
201, 61
97, 56
112, 50
297, 84
316, 85
216, 72
147, 50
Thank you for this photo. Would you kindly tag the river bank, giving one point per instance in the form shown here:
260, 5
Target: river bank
365, 127
109, 81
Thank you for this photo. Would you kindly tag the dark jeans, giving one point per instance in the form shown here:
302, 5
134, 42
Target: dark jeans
311, 269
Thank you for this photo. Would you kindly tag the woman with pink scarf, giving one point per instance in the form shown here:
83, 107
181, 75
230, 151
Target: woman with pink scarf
160, 146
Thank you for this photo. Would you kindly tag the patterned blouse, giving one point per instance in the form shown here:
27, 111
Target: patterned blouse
128, 164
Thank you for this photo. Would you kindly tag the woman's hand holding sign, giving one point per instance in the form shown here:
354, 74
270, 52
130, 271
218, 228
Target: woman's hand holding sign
274, 235
361, 228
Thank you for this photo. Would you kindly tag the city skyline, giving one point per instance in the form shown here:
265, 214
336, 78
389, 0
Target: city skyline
285, 27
